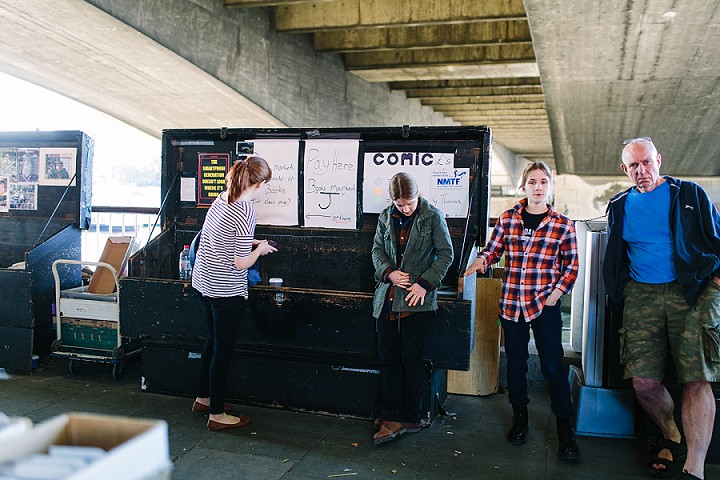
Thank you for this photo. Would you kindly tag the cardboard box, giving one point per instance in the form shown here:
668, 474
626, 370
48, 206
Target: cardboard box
116, 252
137, 448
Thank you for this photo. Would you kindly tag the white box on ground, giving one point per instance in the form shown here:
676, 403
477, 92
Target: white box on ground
136, 448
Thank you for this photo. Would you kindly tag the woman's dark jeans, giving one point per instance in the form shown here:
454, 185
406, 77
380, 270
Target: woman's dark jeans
402, 368
547, 329
223, 316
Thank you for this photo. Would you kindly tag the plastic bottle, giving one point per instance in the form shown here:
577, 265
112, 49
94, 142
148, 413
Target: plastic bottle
185, 268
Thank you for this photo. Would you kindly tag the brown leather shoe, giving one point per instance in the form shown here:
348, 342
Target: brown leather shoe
377, 423
388, 431
217, 426
412, 427
200, 408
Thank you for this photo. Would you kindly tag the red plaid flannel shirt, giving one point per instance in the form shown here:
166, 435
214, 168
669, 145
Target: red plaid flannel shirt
534, 266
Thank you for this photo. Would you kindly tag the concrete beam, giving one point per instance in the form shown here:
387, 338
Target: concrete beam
508, 82
345, 14
442, 56
459, 94
456, 72
520, 113
422, 37
495, 121
525, 139
526, 101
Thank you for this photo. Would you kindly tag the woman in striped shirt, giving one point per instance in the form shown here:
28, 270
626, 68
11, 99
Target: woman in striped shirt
227, 249
541, 264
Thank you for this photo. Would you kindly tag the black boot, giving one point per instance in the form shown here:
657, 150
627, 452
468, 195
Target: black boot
519, 430
567, 446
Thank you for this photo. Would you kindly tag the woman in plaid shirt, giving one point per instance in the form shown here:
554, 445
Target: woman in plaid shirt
541, 265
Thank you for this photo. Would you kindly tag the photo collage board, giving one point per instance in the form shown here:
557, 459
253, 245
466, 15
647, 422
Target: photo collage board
22, 170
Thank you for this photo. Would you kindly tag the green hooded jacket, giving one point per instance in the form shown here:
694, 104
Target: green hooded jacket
428, 254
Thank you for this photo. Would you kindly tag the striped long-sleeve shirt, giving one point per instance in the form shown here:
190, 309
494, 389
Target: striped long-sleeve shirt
227, 233
534, 265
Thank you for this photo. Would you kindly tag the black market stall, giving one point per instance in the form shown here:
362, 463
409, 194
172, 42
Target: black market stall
45, 202
311, 343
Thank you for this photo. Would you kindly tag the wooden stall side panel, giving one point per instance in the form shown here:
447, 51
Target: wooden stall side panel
449, 339
312, 323
65, 244
12, 229
158, 259
154, 307
316, 324
16, 298
171, 366
16, 348
337, 260
321, 259
482, 378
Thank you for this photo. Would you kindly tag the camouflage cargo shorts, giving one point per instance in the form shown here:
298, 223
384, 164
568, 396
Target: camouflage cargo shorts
657, 318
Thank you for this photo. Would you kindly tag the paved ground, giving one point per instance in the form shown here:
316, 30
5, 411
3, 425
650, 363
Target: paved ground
280, 444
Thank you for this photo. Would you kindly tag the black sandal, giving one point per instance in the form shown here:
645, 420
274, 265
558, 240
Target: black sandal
678, 452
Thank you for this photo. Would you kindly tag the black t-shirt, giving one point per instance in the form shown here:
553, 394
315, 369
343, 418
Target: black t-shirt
531, 221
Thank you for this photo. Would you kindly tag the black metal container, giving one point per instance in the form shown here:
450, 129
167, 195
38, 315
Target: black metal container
316, 333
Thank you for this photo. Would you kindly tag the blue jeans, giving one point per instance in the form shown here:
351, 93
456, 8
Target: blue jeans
547, 329
222, 316
402, 368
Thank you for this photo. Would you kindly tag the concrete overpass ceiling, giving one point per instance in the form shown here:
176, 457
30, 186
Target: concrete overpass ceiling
557, 80
471, 60
622, 69
75, 49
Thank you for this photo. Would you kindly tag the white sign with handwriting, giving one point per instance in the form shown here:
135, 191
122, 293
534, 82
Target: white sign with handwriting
278, 200
331, 183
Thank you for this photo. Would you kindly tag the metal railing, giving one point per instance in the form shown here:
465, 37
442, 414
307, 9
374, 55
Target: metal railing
117, 221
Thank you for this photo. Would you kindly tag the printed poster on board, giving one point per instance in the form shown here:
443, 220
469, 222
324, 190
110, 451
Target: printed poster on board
443, 185
212, 168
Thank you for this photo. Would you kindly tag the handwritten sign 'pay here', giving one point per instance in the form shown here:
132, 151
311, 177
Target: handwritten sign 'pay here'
331, 180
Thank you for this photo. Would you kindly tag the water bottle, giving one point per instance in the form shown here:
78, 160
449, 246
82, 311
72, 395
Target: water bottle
185, 268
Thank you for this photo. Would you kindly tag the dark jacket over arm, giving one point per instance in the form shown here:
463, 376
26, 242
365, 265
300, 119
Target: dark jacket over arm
695, 229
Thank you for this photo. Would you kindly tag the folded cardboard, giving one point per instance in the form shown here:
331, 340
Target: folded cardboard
116, 252
136, 448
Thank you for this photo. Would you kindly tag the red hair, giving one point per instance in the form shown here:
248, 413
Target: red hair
244, 174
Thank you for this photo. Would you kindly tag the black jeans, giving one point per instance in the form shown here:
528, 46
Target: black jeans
402, 369
547, 329
222, 316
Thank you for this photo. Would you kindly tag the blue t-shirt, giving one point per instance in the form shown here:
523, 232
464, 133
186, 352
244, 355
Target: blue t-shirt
646, 230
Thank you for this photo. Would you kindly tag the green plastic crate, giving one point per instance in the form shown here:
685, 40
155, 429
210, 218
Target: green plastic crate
85, 333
